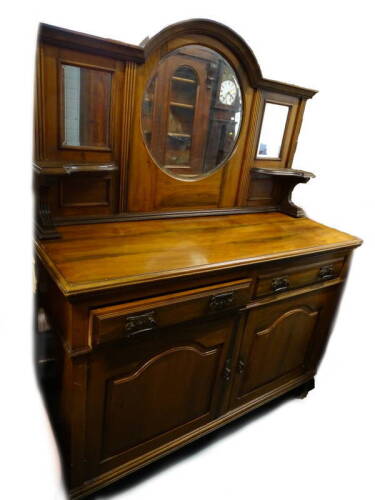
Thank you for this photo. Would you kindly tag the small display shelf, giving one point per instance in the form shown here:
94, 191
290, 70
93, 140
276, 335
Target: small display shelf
280, 183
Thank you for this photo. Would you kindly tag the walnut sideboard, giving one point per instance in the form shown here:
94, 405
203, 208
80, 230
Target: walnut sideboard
182, 285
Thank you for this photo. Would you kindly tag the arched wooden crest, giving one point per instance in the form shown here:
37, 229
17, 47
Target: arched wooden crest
214, 30
235, 43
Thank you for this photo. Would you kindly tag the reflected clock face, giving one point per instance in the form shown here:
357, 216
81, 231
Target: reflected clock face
228, 92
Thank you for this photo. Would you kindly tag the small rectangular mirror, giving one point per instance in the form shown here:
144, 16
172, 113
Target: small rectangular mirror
273, 128
86, 96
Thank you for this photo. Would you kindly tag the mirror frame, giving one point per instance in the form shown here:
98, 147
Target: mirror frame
240, 96
105, 148
285, 127
291, 129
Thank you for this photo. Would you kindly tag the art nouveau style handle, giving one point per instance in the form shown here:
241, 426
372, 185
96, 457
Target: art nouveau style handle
221, 301
280, 284
327, 272
139, 324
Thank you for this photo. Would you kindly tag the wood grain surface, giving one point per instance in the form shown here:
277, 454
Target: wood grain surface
100, 256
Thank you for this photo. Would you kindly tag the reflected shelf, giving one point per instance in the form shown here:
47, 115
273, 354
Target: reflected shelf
182, 105
183, 80
179, 135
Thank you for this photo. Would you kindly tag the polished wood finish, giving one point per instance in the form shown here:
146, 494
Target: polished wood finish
278, 342
175, 306
235, 43
281, 278
75, 40
130, 68
271, 189
185, 372
231, 340
131, 320
97, 257
163, 193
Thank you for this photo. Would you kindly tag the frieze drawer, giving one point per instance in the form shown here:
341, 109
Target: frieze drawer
283, 279
142, 317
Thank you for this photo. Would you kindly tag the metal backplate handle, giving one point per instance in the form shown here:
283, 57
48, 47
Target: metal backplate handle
327, 272
221, 301
140, 324
280, 284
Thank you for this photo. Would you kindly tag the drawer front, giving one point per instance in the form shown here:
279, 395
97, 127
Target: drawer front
282, 279
140, 317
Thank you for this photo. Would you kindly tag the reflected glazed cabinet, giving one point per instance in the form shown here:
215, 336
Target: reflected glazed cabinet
178, 284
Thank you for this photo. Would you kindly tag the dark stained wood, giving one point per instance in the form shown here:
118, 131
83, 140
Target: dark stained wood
97, 159
283, 172
305, 388
73, 195
44, 224
176, 380
283, 278
272, 188
75, 40
120, 321
68, 168
277, 341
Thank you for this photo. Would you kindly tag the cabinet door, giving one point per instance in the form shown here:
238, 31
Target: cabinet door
282, 340
146, 392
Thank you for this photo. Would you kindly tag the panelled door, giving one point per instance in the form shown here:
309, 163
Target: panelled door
282, 340
145, 392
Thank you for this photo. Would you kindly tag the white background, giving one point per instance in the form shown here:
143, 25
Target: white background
321, 447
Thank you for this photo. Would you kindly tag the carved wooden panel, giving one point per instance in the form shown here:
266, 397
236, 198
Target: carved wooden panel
279, 348
147, 390
279, 340
261, 193
131, 415
83, 194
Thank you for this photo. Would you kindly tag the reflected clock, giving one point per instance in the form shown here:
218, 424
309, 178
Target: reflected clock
228, 92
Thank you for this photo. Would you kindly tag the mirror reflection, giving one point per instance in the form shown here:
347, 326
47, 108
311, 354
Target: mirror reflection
192, 111
86, 96
272, 132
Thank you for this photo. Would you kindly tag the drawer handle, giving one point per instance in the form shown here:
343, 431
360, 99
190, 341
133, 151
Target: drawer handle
140, 323
327, 272
280, 284
221, 301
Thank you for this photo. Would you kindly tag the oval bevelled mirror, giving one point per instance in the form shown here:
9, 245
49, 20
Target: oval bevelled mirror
192, 111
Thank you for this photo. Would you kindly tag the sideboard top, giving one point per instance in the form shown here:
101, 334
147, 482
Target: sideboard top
94, 257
